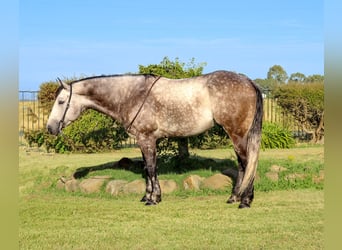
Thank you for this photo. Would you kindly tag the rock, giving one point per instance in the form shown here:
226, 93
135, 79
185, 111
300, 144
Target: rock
168, 186
137, 187
295, 176
318, 178
115, 187
217, 181
93, 184
60, 183
192, 182
72, 185
277, 169
273, 176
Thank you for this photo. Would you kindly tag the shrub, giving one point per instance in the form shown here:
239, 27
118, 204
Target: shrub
92, 132
275, 136
305, 102
46, 95
214, 138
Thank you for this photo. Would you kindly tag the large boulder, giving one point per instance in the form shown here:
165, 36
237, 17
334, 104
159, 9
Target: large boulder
137, 187
168, 186
318, 178
69, 184
115, 187
192, 182
217, 181
273, 174
72, 185
93, 184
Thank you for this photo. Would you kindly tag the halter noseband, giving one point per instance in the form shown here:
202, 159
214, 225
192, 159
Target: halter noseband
60, 124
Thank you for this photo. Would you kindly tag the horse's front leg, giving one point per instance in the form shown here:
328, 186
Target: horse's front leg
153, 192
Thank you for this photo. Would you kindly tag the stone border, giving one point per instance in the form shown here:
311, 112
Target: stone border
96, 184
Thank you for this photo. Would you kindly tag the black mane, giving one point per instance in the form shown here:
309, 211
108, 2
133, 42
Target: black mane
114, 75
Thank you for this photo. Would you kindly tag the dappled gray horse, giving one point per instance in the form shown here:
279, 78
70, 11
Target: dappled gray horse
152, 107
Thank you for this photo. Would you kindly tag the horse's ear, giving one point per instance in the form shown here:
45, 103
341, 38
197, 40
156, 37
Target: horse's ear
63, 84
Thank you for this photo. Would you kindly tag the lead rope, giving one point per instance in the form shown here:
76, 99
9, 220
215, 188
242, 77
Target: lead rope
141, 106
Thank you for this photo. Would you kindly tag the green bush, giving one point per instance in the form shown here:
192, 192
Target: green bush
305, 102
92, 132
47, 95
275, 136
213, 138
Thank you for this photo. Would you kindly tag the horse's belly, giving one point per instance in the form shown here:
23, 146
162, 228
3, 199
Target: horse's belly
185, 122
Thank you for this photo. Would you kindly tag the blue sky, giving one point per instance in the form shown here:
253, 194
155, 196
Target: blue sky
68, 38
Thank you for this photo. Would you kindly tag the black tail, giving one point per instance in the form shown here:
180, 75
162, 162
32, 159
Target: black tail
253, 142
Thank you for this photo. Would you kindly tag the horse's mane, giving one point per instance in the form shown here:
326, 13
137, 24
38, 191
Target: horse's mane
99, 77
107, 76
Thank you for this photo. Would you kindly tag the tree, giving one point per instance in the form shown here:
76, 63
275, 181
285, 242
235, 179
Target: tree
175, 70
47, 95
297, 77
277, 73
315, 79
266, 85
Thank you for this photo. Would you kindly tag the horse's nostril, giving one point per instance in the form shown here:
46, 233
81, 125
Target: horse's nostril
49, 129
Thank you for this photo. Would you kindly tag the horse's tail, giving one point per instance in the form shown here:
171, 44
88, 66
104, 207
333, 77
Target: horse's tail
253, 142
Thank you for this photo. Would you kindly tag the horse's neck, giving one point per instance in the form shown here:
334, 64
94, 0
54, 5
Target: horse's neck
110, 95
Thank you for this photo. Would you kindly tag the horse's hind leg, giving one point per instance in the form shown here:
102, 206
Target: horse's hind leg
246, 197
235, 197
153, 192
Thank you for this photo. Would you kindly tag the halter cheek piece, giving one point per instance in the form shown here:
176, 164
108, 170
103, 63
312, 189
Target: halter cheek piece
60, 124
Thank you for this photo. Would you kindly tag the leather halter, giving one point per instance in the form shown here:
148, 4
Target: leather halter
60, 124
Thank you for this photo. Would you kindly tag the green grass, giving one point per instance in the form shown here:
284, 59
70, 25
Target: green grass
281, 217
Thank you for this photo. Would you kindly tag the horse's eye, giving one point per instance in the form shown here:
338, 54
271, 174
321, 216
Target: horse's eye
60, 102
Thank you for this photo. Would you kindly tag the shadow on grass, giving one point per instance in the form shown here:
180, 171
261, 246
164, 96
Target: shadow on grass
166, 165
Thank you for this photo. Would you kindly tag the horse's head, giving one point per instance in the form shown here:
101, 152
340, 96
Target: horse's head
65, 109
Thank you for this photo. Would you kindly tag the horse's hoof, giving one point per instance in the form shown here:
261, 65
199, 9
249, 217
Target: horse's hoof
158, 198
150, 203
143, 199
232, 199
244, 205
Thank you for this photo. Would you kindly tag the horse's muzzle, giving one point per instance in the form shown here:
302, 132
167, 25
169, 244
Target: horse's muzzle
53, 129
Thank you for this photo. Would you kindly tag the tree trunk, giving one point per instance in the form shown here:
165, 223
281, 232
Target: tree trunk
183, 148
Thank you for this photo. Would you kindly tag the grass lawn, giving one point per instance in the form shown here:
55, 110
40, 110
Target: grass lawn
291, 218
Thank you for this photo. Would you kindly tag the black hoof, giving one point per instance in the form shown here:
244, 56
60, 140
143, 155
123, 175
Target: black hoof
159, 199
150, 203
244, 205
232, 199
143, 199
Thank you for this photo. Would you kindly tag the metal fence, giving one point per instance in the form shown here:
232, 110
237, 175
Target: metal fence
32, 116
